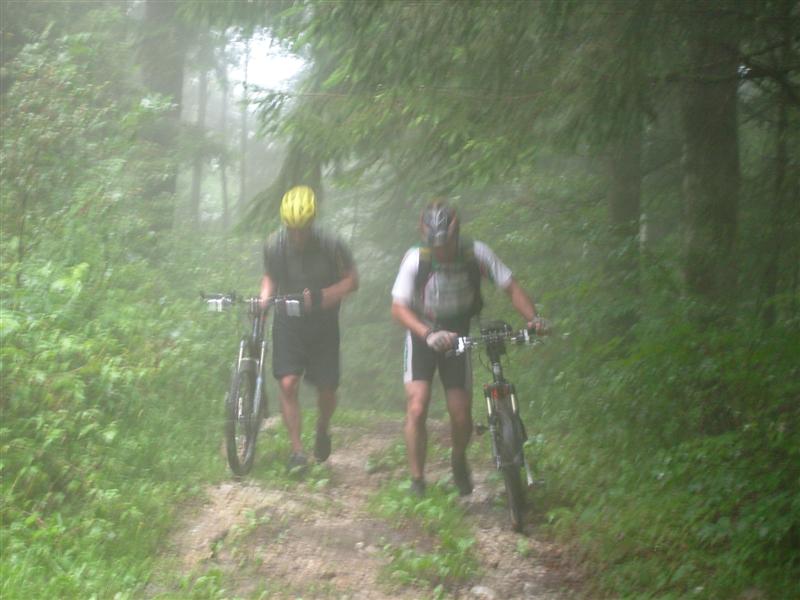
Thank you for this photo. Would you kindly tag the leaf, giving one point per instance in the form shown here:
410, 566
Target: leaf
8, 323
109, 435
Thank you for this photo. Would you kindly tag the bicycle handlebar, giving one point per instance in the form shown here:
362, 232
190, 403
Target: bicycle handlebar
217, 302
496, 333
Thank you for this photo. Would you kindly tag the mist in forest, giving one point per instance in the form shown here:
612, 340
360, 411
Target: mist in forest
635, 163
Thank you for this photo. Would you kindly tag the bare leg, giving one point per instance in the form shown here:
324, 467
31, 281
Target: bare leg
418, 396
290, 407
459, 405
326, 404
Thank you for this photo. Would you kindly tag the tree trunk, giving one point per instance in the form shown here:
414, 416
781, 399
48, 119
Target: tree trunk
711, 176
624, 203
777, 239
794, 287
243, 139
162, 55
298, 168
197, 166
223, 161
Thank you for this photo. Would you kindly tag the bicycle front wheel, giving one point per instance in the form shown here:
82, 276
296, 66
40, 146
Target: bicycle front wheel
241, 424
510, 446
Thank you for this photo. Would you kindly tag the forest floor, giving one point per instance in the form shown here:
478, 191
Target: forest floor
303, 542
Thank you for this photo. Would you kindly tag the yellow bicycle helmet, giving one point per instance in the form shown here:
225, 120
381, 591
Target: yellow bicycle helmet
298, 207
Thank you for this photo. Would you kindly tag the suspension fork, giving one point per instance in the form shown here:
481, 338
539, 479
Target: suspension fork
259, 349
242, 351
262, 352
515, 408
501, 391
490, 394
492, 419
493, 393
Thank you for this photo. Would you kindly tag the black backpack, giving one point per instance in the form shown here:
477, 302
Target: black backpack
466, 249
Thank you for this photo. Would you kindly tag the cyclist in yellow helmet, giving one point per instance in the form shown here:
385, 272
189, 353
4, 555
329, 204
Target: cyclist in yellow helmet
298, 207
300, 258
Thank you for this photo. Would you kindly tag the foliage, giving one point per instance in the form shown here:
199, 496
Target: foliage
670, 449
655, 447
438, 514
649, 445
392, 458
103, 430
81, 472
451, 559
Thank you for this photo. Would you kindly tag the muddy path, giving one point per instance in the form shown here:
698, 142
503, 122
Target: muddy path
323, 541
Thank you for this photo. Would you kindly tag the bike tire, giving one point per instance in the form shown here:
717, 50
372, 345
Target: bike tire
241, 425
510, 446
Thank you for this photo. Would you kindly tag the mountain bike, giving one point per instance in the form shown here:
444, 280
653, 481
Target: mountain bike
506, 429
246, 400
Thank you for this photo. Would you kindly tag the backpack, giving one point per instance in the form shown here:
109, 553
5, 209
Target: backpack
466, 249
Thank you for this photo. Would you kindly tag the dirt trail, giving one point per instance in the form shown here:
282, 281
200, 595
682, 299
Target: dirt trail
301, 542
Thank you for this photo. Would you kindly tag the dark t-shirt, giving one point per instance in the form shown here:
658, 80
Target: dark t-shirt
323, 261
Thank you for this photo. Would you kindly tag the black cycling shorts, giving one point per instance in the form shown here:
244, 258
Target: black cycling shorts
420, 362
306, 346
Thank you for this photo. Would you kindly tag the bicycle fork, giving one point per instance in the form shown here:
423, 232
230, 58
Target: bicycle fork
262, 352
245, 356
500, 392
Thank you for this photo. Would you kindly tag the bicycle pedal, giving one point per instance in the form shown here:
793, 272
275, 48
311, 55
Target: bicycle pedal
480, 429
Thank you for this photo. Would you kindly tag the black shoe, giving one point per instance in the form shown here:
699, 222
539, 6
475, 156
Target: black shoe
461, 477
297, 463
418, 487
322, 447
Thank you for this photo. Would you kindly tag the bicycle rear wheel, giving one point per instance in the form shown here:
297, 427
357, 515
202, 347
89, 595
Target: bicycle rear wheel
241, 424
510, 444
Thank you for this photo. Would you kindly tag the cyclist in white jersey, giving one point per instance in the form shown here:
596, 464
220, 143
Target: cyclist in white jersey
435, 307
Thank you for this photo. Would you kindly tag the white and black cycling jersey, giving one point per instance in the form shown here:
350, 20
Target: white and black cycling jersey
447, 293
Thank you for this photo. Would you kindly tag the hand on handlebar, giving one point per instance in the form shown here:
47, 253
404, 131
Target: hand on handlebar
539, 326
292, 305
440, 341
312, 299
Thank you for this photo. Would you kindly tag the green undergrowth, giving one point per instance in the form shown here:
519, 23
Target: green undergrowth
674, 469
702, 519
670, 452
103, 433
444, 555
391, 458
111, 413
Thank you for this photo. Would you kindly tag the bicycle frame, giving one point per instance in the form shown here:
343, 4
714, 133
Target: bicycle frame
246, 401
255, 345
500, 390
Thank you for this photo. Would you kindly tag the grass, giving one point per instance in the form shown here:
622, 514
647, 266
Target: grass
701, 520
450, 558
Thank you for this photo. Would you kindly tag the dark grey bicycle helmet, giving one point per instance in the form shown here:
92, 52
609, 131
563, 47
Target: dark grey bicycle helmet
439, 224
